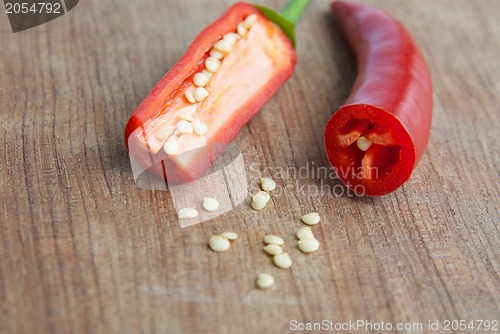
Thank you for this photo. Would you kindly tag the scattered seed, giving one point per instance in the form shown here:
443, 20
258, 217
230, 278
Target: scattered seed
216, 54
212, 64
305, 233
200, 94
308, 245
273, 249
267, 184
223, 46
189, 94
271, 239
218, 243
184, 127
200, 128
164, 133
171, 146
232, 38
363, 143
311, 218
260, 199
229, 235
282, 260
186, 117
210, 204
264, 281
242, 31
249, 21
187, 213
200, 80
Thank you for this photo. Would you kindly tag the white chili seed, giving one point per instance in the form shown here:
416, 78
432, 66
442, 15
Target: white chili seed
200, 94
216, 54
229, 235
363, 143
305, 233
242, 31
282, 260
200, 128
308, 245
311, 218
164, 133
250, 20
260, 199
189, 94
267, 184
184, 127
232, 38
218, 243
186, 117
207, 73
264, 281
273, 249
223, 46
187, 213
210, 204
200, 79
171, 146
212, 64
271, 239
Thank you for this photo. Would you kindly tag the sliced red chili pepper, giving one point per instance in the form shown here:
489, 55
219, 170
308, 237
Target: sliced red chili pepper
376, 139
222, 89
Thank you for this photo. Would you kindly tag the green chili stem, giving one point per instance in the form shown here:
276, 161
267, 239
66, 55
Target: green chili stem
294, 10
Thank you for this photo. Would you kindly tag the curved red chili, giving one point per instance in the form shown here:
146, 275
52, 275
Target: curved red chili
376, 139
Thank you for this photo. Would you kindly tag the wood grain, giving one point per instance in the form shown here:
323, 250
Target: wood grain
83, 250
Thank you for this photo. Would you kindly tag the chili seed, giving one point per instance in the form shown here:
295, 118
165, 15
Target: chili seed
273, 249
171, 146
311, 218
200, 128
216, 54
207, 73
305, 233
363, 143
210, 204
218, 243
271, 239
282, 260
264, 281
187, 213
232, 38
267, 184
200, 79
184, 127
164, 133
249, 21
259, 200
229, 235
242, 31
200, 94
223, 46
308, 245
189, 94
212, 64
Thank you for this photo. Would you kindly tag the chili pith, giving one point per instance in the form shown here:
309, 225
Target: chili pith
376, 139
228, 73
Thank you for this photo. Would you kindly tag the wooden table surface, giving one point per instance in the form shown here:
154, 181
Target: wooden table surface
84, 250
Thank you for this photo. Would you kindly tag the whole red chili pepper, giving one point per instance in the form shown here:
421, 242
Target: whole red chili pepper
228, 73
378, 137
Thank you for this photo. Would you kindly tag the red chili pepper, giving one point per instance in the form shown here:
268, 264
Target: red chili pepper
222, 93
378, 137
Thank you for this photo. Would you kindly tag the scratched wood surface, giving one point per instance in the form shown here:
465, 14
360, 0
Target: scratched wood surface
84, 250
